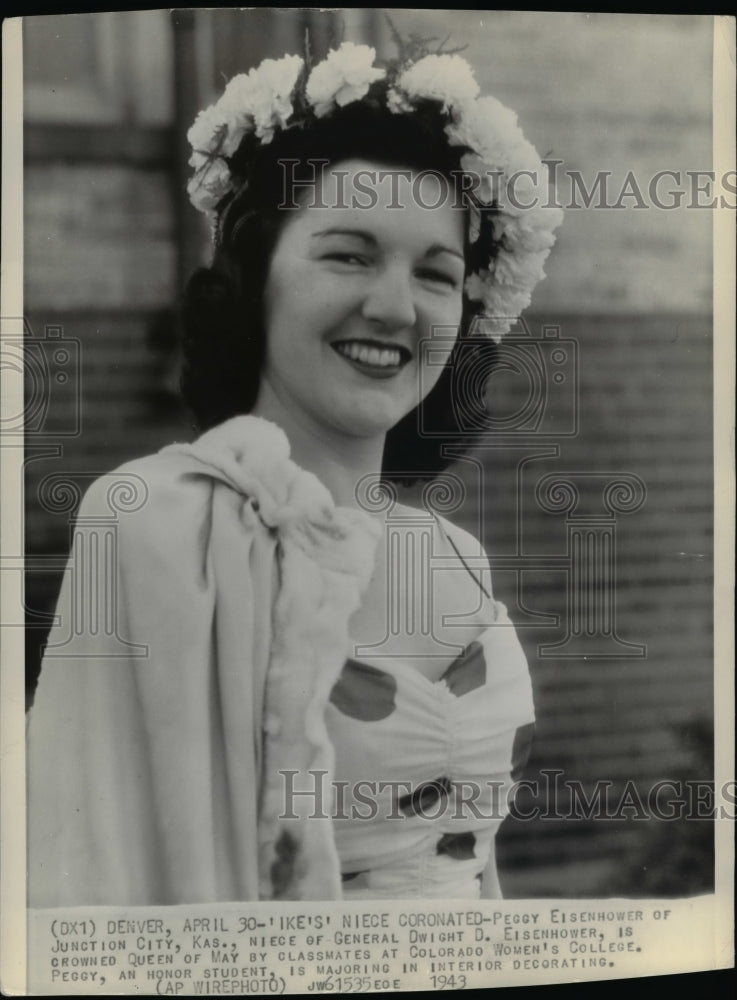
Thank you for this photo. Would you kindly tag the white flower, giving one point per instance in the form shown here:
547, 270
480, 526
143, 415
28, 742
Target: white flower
209, 184
504, 304
235, 135
521, 194
524, 156
445, 78
260, 100
475, 285
486, 181
474, 222
508, 269
197, 160
489, 129
530, 233
492, 326
208, 130
397, 102
487, 119
344, 76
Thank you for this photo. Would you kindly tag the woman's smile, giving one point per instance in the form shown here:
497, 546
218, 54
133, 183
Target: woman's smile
372, 357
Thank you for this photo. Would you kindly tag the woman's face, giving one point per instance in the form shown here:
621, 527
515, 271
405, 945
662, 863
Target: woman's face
351, 293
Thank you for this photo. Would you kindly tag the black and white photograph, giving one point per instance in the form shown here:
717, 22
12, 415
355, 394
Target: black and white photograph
367, 549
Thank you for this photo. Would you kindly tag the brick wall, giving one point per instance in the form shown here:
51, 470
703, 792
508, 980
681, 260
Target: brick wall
645, 409
625, 721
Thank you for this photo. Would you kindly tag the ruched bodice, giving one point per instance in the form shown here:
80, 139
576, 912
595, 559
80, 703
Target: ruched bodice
424, 768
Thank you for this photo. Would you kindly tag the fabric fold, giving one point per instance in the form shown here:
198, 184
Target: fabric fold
231, 587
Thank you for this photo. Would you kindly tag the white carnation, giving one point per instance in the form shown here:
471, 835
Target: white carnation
397, 102
489, 129
446, 78
505, 303
474, 223
208, 130
198, 160
530, 233
525, 193
524, 156
487, 189
507, 269
520, 272
209, 184
492, 326
344, 76
476, 285
260, 100
235, 135
235, 107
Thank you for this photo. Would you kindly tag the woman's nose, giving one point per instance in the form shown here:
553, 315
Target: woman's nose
390, 299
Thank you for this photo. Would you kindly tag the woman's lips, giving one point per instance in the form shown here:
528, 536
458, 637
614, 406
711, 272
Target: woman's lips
370, 358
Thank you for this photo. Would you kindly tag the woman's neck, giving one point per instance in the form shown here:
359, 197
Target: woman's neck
338, 460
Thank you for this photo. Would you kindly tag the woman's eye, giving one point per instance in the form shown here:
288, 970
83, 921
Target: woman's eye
343, 257
441, 277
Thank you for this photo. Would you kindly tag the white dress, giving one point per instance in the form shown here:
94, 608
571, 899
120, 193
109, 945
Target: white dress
424, 769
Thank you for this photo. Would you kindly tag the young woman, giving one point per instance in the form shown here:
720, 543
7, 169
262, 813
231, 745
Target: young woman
301, 692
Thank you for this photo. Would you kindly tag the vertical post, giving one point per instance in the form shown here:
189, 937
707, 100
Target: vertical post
326, 28
364, 25
189, 232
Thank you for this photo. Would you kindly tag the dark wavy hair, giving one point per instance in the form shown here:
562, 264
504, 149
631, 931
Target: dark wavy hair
222, 316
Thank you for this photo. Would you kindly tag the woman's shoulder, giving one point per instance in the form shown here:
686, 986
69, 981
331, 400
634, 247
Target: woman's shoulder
458, 547
154, 482
166, 505
466, 542
238, 474
168, 522
182, 474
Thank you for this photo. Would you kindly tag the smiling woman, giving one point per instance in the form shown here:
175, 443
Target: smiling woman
339, 177
290, 704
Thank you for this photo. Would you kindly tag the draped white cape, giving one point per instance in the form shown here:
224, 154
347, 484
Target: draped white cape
154, 769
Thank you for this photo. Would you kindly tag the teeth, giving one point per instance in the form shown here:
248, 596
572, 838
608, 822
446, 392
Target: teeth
382, 357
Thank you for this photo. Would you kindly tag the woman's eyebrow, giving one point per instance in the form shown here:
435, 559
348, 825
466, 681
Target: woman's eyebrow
370, 239
360, 234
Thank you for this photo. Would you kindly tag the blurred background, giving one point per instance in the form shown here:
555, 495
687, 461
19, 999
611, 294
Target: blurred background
110, 238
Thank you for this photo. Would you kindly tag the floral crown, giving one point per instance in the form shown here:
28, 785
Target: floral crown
507, 183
